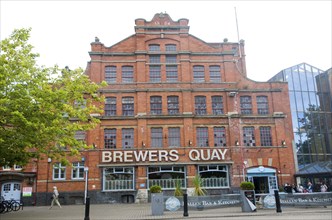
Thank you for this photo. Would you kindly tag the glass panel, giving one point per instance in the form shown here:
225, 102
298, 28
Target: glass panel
127, 138
110, 138
202, 137
157, 137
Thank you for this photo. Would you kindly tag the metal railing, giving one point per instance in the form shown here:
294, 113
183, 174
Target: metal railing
166, 183
214, 182
119, 185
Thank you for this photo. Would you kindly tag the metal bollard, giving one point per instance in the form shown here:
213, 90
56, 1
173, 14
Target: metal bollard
87, 208
277, 198
185, 205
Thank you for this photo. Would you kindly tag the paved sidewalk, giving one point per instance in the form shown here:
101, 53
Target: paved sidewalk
143, 211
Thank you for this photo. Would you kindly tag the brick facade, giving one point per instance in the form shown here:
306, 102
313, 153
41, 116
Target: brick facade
187, 158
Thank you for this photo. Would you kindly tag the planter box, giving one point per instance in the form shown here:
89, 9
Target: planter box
157, 203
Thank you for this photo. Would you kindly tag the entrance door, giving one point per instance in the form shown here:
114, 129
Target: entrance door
261, 184
11, 191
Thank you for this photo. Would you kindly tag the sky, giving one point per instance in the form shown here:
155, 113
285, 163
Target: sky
277, 34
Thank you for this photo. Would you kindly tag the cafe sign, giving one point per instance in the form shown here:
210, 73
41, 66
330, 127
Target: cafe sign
161, 155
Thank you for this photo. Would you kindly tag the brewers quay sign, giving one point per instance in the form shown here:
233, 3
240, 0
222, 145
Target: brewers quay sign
161, 155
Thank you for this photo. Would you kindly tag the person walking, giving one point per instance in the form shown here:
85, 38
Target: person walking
55, 197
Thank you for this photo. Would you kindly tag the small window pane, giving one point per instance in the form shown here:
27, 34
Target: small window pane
200, 105
246, 106
110, 106
157, 137
173, 105
110, 74
110, 138
155, 105
215, 75
127, 138
127, 74
202, 137
199, 74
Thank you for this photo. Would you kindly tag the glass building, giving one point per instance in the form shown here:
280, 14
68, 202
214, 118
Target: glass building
310, 100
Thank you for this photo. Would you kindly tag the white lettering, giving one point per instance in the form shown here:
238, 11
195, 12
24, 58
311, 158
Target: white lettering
163, 155
174, 155
128, 156
117, 155
207, 154
222, 153
153, 157
140, 155
106, 156
192, 153
215, 155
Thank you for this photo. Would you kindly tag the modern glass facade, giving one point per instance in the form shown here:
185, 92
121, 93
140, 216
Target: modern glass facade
310, 101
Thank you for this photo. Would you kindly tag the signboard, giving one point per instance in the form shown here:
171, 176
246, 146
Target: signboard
27, 191
162, 155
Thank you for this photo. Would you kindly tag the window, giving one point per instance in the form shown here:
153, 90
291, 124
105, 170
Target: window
173, 105
217, 105
171, 73
154, 59
199, 74
246, 106
200, 105
154, 47
155, 73
155, 105
202, 137
80, 104
157, 137
262, 105
110, 74
118, 178
110, 138
171, 59
166, 176
265, 134
128, 106
110, 106
170, 47
219, 135
77, 170
215, 74
80, 135
174, 137
18, 167
59, 171
127, 74
214, 176
249, 136
127, 138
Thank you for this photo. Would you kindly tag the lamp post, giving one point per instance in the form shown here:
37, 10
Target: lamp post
86, 171
86, 195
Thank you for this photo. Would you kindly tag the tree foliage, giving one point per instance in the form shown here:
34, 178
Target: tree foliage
41, 108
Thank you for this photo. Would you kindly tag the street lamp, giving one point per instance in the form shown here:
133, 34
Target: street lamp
86, 171
86, 196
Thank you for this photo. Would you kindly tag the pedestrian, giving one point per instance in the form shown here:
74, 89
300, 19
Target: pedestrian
310, 187
323, 187
55, 197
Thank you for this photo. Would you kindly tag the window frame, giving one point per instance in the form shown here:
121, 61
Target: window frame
110, 136
110, 74
77, 171
262, 105
157, 137
265, 136
128, 106
156, 105
200, 105
246, 105
199, 73
110, 106
127, 74
61, 175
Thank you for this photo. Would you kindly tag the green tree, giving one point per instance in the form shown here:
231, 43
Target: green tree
41, 108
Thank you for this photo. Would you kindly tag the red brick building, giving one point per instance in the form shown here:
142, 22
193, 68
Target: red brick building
175, 106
